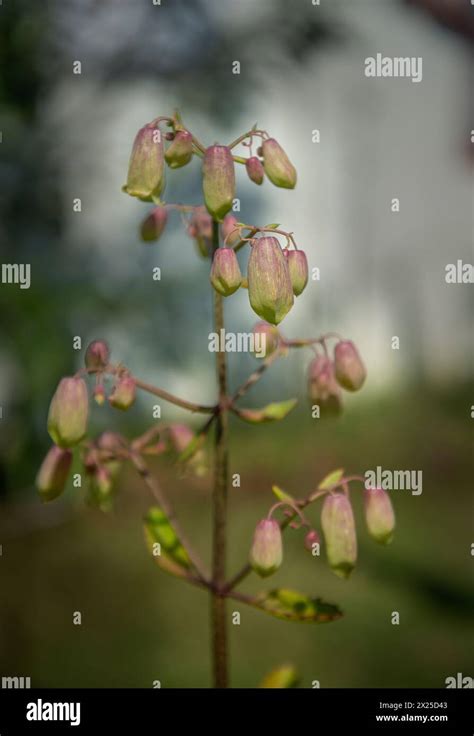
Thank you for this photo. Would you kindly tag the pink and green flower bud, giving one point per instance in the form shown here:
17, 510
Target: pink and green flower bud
266, 554
269, 284
153, 225
323, 389
298, 268
146, 175
225, 271
277, 165
180, 152
53, 473
68, 412
110, 444
266, 339
350, 370
229, 230
218, 180
101, 488
311, 540
180, 436
337, 521
97, 355
124, 393
255, 169
99, 394
379, 515
200, 228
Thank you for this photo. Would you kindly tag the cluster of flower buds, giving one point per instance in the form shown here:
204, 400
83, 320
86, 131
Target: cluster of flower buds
338, 527
326, 377
271, 160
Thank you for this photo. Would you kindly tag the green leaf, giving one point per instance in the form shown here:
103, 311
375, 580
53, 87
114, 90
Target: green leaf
284, 676
330, 480
158, 530
270, 413
293, 606
282, 495
272, 226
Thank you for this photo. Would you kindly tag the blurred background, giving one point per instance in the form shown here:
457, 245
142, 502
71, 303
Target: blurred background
68, 136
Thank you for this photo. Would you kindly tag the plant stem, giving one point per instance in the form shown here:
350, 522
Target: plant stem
218, 601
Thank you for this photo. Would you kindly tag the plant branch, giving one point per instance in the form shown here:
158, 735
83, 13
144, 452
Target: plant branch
189, 405
166, 507
256, 375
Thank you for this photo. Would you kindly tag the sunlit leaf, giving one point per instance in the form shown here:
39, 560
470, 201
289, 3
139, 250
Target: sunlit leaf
284, 676
158, 530
330, 480
270, 413
282, 495
293, 606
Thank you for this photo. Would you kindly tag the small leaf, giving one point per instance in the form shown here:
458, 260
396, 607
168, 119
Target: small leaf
282, 495
331, 480
293, 606
272, 226
159, 530
284, 676
270, 413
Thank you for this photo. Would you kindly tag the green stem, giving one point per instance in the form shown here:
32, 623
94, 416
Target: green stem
218, 601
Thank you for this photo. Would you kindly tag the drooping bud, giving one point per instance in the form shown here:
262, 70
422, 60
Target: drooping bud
99, 394
154, 224
124, 393
337, 521
255, 169
277, 165
379, 515
200, 228
218, 180
97, 355
229, 230
298, 268
101, 488
323, 389
266, 554
53, 473
146, 176
269, 284
68, 412
311, 539
266, 339
180, 152
350, 370
225, 271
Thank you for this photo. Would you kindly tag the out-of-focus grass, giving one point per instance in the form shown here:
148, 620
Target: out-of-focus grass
141, 625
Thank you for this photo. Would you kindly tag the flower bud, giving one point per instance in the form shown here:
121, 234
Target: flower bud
337, 521
68, 412
97, 355
229, 231
180, 152
266, 554
323, 389
277, 165
218, 180
53, 473
101, 488
154, 224
225, 271
99, 394
124, 393
180, 436
379, 515
311, 538
146, 177
350, 370
269, 284
255, 169
200, 228
266, 339
298, 268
